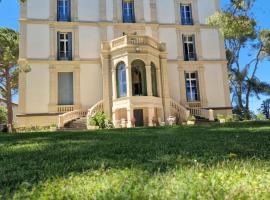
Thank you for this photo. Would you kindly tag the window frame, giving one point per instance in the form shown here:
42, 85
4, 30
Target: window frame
189, 90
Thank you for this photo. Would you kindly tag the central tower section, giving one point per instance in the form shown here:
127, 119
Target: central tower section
135, 80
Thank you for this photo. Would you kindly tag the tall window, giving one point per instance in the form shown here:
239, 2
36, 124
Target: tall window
65, 88
63, 10
154, 80
128, 11
121, 80
186, 14
139, 87
64, 46
189, 48
192, 87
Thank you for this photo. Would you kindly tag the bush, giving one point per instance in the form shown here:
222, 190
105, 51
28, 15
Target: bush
192, 118
101, 120
3, 115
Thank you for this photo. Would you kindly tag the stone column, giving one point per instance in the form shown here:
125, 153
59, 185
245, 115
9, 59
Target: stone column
149, 80
130, 116
76, 44
77, 93
151, 115
183, 97
106, 84
22, 93
165, 87
53, 90
159, 85
114, 84
52, 43
102, 8
129, 81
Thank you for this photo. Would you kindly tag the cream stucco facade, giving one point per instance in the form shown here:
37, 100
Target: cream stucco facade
100, 41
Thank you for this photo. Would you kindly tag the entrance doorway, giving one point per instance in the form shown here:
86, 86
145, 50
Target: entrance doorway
138, 115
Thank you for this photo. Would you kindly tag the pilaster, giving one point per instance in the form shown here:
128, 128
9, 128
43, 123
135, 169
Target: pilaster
149, 80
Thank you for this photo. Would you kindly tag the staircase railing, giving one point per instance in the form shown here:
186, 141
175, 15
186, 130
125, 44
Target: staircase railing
179, 111
202, 113
98, 107
70, 116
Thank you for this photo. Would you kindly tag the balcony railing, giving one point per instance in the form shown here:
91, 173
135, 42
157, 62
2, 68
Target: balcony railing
187, 21
65, 55
135, 40
190, 57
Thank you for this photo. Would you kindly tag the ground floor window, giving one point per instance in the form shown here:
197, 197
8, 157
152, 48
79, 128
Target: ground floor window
139, 86
65, 88
192, 86
121, 80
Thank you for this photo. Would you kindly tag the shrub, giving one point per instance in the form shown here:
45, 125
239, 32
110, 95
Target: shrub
3, 115
220, 117
101, 120
192, 118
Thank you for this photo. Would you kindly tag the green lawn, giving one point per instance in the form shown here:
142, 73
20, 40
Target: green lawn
200, 162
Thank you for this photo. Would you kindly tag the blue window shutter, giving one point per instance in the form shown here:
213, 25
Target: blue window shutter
198, 86
58, 11
58, 45
70, 46
194, 47
69, 11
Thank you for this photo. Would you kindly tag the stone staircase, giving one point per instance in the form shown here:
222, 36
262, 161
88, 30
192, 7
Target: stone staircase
76, 125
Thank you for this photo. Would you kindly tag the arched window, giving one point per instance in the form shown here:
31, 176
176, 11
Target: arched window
128, 11
139, 86
154, 80
121, 78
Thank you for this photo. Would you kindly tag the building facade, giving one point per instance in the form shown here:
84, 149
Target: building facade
136, 60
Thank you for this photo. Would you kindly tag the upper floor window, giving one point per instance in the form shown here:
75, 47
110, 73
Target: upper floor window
186, 14
63, 10
64, 46
189, 48
192, 86
128, 11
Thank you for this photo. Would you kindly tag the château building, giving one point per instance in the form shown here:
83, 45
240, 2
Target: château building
139, 61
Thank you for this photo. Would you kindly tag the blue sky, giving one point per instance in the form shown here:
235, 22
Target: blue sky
9, 15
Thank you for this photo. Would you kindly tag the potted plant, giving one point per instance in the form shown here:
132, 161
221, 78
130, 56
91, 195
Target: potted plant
191, 120
53, 127
221, 119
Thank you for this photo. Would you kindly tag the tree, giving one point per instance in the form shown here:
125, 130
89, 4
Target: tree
240, 32
9, 68
265, 108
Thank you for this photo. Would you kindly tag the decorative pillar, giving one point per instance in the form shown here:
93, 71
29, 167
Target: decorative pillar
52, 43
151, 115
53, 10
114, 84
129, 81
165, 85
159, 85
102, 10
149, 80
77, 96
183, 98
202, 87
153, 7
53, 90
76, 44
74, 11
22, 93
106, 84
130, 116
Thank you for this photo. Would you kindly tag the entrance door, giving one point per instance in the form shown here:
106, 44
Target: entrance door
138, 115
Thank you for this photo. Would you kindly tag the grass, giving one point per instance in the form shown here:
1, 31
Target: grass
202, 162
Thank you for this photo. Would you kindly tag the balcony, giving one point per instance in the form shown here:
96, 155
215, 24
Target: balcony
133, 40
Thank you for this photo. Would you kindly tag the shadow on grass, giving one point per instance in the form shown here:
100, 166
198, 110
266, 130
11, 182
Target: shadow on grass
36, 157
